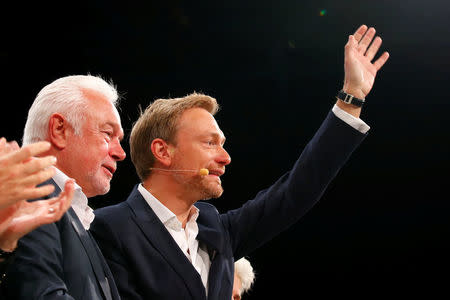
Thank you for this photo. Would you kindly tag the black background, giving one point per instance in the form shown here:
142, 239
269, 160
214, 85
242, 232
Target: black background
274, 66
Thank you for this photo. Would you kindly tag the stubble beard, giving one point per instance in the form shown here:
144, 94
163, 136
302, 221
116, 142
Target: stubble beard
201, 186
210, 190
99, 182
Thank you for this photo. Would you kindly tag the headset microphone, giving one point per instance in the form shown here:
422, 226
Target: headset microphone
201, 172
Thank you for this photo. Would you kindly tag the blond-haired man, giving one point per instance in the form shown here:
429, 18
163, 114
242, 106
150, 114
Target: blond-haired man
163, 243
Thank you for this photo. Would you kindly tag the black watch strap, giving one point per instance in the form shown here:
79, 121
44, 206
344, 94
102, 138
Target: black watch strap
350, 99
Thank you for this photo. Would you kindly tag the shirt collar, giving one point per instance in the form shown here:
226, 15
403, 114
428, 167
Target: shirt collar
79, 201
168, 218
60, 178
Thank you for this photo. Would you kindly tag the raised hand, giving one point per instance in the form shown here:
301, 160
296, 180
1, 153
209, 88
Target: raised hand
23, 217
360, 71
20, 172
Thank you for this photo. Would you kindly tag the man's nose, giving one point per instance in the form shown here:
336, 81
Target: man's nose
117, 151
224, 158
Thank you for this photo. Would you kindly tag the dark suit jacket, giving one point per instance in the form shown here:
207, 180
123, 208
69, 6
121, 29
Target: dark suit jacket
59, 261
3, 267
148, 264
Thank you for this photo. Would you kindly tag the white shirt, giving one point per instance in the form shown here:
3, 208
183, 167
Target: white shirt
79, 201
185, 238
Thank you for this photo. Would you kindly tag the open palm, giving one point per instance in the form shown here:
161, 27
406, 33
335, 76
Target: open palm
23, 217
360, 72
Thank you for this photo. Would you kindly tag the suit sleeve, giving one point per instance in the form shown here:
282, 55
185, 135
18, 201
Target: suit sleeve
112, 250
296, 192
37, 272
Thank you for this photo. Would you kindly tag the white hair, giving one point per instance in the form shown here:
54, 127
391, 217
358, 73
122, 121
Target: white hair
66, 96
244, 270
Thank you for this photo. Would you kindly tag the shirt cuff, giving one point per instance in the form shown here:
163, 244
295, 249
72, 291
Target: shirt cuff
356, 123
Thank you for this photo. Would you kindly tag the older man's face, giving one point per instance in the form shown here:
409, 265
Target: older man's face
91, 158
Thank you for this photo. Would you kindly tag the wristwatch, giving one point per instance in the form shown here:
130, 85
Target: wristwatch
350, 99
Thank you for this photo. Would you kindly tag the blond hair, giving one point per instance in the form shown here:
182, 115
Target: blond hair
159, 120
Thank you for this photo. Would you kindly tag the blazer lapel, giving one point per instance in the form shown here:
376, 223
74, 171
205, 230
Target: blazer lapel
156, 233
212, 238
214, 241
90, 247
92, 250
106, 269
110, 278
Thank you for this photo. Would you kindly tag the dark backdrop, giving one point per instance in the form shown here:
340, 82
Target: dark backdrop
275, 67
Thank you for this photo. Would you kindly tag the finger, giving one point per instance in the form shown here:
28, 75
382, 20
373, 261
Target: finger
352, 41
21, 193
360, 32
2, 144
36, 213
381, 60
29, 151
373, 49
53, 210
9, 147
64, 200
351, 44
13, 145
37, 178
69, 191
31, 194
39, 192
37, 163
51, 202
27, 221
39, 207
365, 41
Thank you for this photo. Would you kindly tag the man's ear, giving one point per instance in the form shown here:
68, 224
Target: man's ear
58, 130
162, 151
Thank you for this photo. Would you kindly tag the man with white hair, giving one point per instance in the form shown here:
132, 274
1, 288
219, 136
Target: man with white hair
78, 116
244, 277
